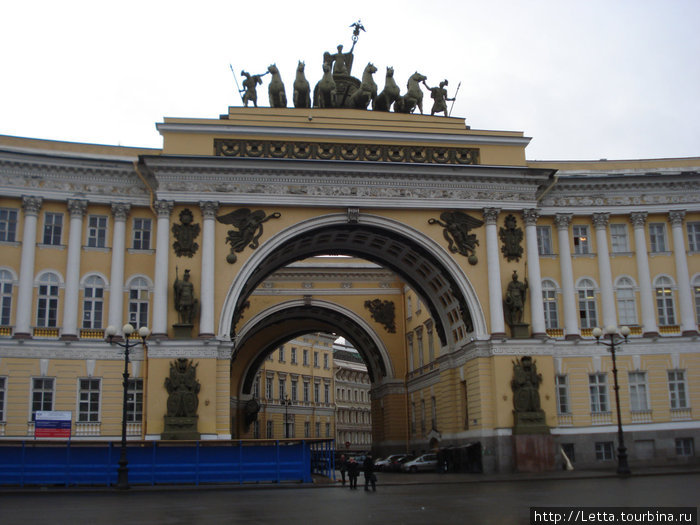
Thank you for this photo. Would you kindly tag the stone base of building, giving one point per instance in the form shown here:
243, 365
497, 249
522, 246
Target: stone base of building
534, 452
180, 428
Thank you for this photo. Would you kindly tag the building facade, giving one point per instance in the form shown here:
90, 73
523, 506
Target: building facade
94, 236
353, 403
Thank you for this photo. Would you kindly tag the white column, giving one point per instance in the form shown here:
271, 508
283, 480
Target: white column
571, 328
600, 222
206, 321
31, 207
685, 300
160, 289
646, 294
533, 273
498, 324
71, 304
116, 286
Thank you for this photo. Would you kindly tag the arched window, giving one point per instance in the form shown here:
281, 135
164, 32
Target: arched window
93, 301
664, 301
551, 309
586, 304
6, 281
626, 302
47, 301
138, 302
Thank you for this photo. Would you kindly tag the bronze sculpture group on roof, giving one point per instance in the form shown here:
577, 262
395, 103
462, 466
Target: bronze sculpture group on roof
339, 89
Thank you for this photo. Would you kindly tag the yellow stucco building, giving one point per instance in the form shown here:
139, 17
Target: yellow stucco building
435, 218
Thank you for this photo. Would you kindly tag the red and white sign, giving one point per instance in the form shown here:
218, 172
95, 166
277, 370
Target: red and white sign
52, 424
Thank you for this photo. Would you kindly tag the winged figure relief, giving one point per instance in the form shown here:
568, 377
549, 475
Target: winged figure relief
249, 229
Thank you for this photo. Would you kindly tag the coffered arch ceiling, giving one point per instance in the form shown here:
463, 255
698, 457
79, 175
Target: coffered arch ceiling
268, 331
417, 263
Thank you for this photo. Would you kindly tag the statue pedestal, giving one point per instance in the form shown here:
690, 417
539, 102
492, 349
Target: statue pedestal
182, 428
532, 422
183, 331
520, 331
533, 452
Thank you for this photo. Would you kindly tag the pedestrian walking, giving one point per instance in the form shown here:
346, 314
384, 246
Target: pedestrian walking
353, 472
343, 467
368, 468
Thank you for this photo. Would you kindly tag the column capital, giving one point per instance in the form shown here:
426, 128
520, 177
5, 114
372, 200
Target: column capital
562, 220
600, 220
491, 215
77, 207
676, 217
638, 218
209, 208
530, 216
31, 205
120, 210
163, 209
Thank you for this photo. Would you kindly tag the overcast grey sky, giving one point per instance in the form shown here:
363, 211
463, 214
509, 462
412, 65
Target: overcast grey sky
585, 79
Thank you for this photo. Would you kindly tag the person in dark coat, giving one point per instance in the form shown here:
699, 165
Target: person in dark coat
353, 472
368, 469
343, 467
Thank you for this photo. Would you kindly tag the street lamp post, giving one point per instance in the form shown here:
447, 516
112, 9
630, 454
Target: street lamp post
286, 401
611, 332
144, 332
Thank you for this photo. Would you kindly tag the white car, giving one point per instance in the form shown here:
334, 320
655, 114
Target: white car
425, 462
382, 464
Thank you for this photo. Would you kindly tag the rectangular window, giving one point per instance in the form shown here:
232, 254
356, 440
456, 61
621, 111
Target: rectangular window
326, 393
306, 391
587, 308
47, 306
295, 384
598, 388
693, 236
281, 389
89, 401
5, 297
664, 305
433, 412
305, 357
293, 356
581, 239
317, 395
657, 237
8, 224
256, 388
281, 354
268, 388
562, 386
638, 391
318, 429
618, 238
134, 400
569, 450
42, 394
97, 231
328, 430
92, 307
325, 361
544, 240
138, 307
3, 388
142, 234
604, 450
307, 429
549, 298
270, 429
315, 359
413, 418
685, 447
53, 226
677, 389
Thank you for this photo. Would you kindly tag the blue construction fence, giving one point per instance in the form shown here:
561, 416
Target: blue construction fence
34, 462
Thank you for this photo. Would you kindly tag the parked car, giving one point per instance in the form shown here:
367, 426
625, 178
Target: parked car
383, 464
421, 463
395, 465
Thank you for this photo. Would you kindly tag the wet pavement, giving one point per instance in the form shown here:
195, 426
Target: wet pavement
400, 498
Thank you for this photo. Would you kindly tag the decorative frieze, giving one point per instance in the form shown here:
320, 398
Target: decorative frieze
345, 151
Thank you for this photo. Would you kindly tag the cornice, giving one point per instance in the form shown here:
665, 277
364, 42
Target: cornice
326, 134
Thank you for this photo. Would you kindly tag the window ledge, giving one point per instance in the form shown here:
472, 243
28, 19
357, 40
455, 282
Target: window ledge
133, 251
51, 246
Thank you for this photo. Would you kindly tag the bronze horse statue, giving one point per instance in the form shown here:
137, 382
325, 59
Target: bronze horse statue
278, 98
324, 91
413, 97
301, 97
367, 91
389, 94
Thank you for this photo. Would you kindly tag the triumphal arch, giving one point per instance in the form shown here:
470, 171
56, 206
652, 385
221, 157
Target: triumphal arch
468, 278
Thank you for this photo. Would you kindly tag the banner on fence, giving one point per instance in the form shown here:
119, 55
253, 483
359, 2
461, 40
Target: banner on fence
52, 424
